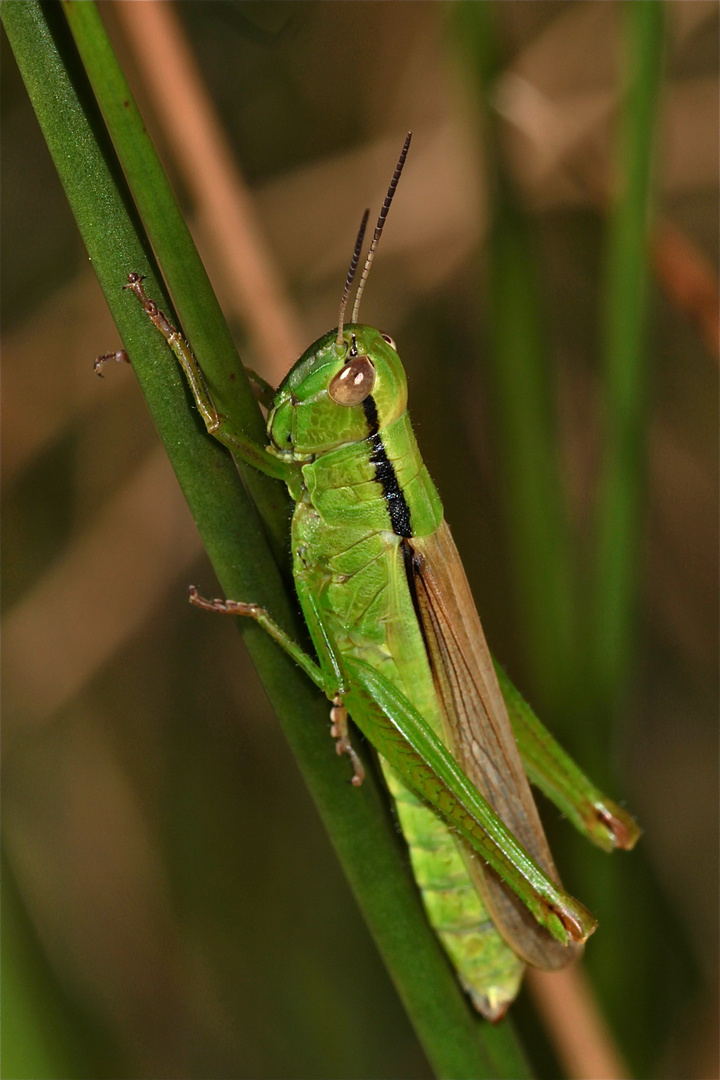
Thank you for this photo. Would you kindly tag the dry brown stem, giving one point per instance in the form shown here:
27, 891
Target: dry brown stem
576, 1027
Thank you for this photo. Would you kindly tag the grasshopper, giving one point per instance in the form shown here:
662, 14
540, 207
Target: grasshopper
400, 649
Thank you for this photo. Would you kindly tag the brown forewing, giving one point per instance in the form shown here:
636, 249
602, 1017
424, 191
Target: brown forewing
479, 735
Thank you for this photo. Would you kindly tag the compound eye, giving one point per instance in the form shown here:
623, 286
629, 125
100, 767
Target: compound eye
354, 382
390, 341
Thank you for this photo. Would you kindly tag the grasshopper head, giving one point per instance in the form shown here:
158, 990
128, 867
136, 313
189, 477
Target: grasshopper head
338, 394
350, 384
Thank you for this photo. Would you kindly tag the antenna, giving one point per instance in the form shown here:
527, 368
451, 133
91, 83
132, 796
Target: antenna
351, 274
379, 226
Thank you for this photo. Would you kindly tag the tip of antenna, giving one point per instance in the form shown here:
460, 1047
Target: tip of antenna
379, 227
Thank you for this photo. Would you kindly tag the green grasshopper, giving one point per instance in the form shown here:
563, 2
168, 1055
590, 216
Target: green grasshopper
399, 647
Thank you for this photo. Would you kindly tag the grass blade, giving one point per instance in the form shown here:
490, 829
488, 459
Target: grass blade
620, 500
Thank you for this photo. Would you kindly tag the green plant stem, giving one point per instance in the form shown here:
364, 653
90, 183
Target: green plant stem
625, 355
175, 249
457, 1043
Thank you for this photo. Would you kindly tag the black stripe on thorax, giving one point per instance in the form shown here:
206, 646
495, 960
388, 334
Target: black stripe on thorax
413, 563
385, 474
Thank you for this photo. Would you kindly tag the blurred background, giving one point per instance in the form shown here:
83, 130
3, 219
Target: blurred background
171, 905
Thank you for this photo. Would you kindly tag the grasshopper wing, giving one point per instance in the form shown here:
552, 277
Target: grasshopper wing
479, 735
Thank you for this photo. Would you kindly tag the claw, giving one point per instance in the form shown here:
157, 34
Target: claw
119, 357
222, 607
